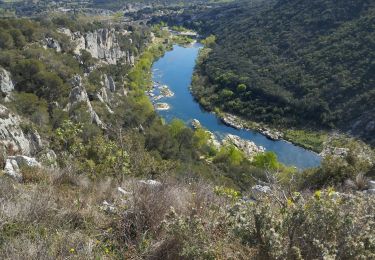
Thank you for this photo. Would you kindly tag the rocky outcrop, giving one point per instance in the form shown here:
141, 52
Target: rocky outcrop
52, 44
109, 83
101, 44
79, 95
13, 137
232, 121
238, 123
6, 84
14, 164
249, 148
196, 124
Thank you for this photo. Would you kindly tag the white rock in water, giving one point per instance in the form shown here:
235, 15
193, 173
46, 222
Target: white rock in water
162, 106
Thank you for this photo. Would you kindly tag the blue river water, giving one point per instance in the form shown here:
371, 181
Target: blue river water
175, 70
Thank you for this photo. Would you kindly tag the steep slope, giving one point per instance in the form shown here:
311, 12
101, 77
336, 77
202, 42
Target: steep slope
306, 63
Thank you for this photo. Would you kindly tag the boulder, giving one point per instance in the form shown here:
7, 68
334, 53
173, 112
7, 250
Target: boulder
14, 163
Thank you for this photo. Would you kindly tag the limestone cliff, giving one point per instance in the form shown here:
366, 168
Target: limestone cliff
102, 44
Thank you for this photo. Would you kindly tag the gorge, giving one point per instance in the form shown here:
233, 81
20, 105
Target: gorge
175, 70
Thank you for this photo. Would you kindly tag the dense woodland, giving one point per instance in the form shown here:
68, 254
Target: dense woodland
291, 63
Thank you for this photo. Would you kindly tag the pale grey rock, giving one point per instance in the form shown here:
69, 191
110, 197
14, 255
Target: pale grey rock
102, 95
370, 191
213, 140
14, 163
371, 184
6, 83
196, 124
232, 121
65, 31
109, 83
12, 170
35, 142
48, 158
151, 183
11, 134
108, 207
77, 95
52, 44
249, 148
101, 44
259, 191
271, 134
122, 191
334, 151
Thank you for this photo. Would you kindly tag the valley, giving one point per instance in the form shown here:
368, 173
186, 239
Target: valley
187, 129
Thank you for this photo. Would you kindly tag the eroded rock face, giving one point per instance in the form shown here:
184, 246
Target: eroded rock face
109, 83
249, 148
6, 84
101, 44
11, 134
77, 95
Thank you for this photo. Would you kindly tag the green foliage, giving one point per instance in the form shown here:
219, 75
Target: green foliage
230, 154
210, 41
267, 160
29, 105
310, 140
299, 68
68, 137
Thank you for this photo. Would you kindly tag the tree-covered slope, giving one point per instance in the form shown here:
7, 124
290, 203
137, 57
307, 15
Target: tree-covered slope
308, 63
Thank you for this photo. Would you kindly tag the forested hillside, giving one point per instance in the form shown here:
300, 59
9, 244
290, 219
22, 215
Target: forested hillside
288, 63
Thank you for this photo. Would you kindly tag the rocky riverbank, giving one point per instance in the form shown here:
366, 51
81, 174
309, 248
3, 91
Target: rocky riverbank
250, 149
238, 123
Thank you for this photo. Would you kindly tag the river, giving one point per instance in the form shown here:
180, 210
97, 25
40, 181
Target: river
175, 70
